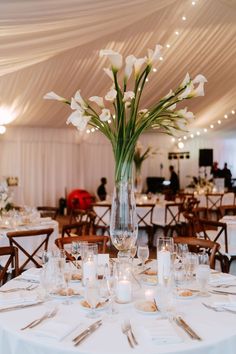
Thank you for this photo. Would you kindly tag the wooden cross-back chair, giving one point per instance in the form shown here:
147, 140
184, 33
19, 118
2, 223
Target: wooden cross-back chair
42, 236
214, 202
101, 241
46, 211
196, 245
144, 215
227, 210
9, 262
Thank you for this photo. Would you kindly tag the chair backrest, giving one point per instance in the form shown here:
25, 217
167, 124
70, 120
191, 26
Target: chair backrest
9, 256
144, 214
196, 245
101, 241
16, 238
46, 211
172, 213
214, 200
227, 210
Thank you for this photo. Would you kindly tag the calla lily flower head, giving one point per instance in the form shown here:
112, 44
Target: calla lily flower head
105, 115
154, 56
187, 92
75, 105
109, 73
114, 57
129, 66
199, 91
199, 78
53, 96
185, 113
111, 95
80, 100
98, 100
79, 120
138, 65
185, 81
129, 95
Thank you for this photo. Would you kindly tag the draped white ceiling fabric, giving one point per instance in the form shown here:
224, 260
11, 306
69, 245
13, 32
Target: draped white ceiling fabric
54, 44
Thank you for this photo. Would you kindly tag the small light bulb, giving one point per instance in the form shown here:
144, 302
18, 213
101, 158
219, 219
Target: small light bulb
154, 70
233, 112
161, 58
219, 121
191, 136
211, 126
88, 131
198, 133
185, 138
168, 45
177, 33
147, 80
184, 18
109, 121
173, 140
226, 116
92, 130
2, 129
193, 3
180, 145
179, 139
205, 130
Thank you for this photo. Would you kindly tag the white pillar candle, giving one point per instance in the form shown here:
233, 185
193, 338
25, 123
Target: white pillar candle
124, 291
89, 270
164, 265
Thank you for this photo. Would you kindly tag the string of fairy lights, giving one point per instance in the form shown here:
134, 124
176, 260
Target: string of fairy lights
200, 131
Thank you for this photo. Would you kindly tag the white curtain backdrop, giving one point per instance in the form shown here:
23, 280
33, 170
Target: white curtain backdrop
48, 161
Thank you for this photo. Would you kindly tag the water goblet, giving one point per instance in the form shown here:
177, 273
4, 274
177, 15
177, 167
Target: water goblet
67, 272
92, 296
143, 254
202, 276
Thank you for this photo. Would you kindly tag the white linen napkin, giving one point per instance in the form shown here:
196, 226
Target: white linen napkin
17, 298
31, 274
55, 329
163, 332
221, 279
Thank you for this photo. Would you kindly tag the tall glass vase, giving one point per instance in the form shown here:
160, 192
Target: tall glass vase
123, 223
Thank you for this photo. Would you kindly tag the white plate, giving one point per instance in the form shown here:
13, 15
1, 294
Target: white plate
185, 294
141, 306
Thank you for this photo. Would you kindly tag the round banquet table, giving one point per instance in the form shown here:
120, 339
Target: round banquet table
217, 329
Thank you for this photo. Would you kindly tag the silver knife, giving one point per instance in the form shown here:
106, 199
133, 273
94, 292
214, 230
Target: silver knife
20, 306
87, 330
187, 328
222, 292
93, 329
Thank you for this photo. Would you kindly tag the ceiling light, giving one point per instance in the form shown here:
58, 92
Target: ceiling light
211, 126
193, 3
198, 133
2, 129
205, 130
168, 46
177, 33
184, 18
161, 58
173, 140
146, 79
6, 116
88, 131
185, 138
225, 116
219, 121
233, 112
180, 145
154, 70
93, 130
191, 136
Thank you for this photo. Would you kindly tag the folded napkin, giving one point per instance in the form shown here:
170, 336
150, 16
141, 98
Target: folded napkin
17, 298
163, 332
221, 279
55, 329
31, 274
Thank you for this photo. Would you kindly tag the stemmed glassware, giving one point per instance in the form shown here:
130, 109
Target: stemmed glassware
67, 272
203, 273
92, 295
143, 254
133, 252
111, 280
75, 251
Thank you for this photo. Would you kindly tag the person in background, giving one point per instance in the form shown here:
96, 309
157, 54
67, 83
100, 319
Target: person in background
227, 175
174, 180
215, 171
101, 191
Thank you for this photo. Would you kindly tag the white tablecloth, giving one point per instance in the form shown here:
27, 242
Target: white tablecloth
31, 243
217, 329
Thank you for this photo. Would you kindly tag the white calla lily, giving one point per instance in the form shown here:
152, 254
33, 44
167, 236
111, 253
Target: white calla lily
187, 92
129, 66
129, 95
114, 57
98, 100
105, 115
111, 95
109, 73
80, 100
79, 120
153, 56
185, 81
199, 78
185, 113
138, 64
53, 96
199, 91
75, 105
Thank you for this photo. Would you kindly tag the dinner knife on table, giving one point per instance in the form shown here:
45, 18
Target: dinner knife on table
181, 323
88, 330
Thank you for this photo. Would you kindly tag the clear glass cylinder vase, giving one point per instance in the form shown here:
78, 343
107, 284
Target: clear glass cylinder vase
123, 223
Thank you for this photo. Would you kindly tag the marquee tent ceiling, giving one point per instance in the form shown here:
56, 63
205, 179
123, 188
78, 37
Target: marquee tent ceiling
53, 45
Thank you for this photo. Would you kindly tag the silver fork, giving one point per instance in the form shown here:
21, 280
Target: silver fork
128, 326
218, 309
125, 330
47, 315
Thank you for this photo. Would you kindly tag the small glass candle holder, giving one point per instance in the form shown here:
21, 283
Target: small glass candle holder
89, 263
165, 247
124, 284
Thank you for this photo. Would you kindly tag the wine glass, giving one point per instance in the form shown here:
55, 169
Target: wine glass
75, 251
133, 251
111, 280
67, 272
92, 296
143, 254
